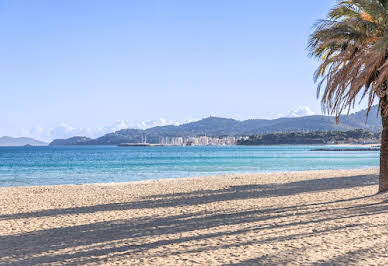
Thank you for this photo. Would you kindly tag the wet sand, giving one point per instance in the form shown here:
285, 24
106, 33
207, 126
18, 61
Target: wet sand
315, 217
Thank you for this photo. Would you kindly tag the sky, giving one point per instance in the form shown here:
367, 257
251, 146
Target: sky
91, 67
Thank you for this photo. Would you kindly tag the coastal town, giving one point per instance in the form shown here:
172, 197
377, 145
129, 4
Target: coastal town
357, 137
199, 141
230, 141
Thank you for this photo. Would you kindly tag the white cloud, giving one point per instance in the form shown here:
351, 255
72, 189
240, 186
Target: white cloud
35, 132
154, 123
64, 130
298, 112
118, 125
301, 111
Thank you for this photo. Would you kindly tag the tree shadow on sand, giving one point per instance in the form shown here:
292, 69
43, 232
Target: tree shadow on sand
40, 246
209, 196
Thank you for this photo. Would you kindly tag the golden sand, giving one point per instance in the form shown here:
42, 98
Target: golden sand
316, 217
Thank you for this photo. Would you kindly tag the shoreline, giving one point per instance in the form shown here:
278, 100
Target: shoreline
310, 217
169, 145
197, 177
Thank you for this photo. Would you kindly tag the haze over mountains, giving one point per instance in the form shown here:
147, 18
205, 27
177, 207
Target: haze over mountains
215, 126
10, 141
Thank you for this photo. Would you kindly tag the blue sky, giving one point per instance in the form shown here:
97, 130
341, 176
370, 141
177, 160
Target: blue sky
95, 66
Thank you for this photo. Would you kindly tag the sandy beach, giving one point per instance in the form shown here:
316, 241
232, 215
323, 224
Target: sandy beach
315, 217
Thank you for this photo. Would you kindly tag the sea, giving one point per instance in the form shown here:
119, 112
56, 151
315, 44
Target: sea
37, 166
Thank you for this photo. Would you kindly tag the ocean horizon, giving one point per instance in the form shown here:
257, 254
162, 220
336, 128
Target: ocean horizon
39, 166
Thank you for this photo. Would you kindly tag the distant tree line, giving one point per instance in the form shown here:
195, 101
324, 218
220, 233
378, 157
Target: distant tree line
315, 137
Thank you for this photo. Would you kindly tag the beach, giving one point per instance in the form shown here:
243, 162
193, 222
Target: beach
309, 217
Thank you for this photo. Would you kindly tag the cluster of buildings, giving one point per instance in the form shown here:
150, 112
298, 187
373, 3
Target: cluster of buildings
230, 140
199, 141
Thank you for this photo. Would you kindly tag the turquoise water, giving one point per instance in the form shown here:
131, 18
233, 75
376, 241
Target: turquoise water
27, 166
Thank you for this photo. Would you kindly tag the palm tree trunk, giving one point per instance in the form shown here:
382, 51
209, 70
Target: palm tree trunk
383, 177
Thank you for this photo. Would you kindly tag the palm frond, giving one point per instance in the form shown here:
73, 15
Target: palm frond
352, 45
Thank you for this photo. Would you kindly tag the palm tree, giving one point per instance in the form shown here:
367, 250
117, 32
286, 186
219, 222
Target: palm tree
352, 46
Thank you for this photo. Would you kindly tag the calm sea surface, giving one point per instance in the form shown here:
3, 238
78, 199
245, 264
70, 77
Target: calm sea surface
26, 166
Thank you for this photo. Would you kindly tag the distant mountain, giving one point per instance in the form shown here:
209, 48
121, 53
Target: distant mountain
216, 126
70, 141
9, 141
